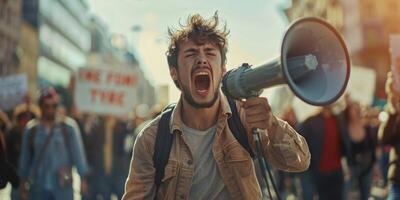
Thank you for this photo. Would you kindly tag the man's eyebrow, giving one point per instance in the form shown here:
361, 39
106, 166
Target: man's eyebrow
210, 49
190, 50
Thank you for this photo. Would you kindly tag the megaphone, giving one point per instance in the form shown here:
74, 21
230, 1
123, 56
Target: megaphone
314, 62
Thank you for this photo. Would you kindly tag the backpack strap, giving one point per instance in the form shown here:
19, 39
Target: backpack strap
237, 128
163, 144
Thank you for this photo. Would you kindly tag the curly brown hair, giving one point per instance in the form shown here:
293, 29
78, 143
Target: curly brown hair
200, 31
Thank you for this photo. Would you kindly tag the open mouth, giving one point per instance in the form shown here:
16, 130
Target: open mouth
202, 83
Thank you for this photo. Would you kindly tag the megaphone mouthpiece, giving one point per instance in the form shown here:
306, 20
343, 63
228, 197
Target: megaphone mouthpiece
299, 66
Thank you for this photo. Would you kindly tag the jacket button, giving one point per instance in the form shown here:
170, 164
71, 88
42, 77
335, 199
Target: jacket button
190, 162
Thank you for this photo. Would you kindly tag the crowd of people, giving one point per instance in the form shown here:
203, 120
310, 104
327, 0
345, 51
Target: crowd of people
41, 145
350, 144
344, 146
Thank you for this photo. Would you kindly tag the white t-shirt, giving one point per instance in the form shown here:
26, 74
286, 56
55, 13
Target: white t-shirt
207, 182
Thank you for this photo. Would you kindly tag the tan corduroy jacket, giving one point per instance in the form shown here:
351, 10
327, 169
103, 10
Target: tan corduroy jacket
288, 151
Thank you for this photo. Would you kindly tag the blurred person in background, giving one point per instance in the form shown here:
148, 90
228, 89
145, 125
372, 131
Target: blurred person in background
363, 143
5, 124
141, 116
8, 172
372, 117
328, 141
21, 115
51, 146
383, 155
86, 124
108, 161
389, 134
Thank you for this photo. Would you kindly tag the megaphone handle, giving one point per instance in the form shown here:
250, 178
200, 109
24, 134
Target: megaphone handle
263, 164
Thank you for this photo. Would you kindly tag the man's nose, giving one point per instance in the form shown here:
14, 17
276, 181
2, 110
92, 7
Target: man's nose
201, 60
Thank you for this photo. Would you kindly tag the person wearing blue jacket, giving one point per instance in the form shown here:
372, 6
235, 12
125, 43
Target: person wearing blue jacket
51, 146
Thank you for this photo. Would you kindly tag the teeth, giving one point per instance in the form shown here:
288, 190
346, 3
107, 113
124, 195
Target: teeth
202, 73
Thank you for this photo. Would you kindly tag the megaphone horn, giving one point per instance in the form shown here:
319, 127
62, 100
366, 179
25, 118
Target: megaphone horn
314, 62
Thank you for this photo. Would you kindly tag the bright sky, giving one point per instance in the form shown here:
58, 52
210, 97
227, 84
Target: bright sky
256, 28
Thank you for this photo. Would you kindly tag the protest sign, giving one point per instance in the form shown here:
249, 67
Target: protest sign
13, 91
106, 90
361, 86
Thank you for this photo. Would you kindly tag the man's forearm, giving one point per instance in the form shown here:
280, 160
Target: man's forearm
285, 148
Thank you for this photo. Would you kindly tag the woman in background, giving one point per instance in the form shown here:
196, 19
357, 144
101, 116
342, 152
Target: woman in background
363, 141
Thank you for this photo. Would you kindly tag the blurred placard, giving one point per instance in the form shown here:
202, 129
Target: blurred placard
361, 86
395, 58
13, 90
110, 91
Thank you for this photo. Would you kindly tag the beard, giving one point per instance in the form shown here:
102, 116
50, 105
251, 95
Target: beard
189, 98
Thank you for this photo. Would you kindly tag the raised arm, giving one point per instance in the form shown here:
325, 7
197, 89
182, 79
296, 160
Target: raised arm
283, 147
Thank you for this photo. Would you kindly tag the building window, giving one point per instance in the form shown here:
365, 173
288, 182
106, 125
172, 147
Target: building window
65, 22
53, 72
61, 48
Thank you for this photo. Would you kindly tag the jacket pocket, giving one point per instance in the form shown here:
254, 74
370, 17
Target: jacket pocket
238, 159
170, 170
168, 182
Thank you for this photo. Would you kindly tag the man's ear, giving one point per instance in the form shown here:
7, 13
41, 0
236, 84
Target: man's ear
223, 70
174, 73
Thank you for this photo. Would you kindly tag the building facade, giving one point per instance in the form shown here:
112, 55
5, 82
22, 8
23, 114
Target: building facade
64, 39
378, 19
28, 46
10, 19
29, 53
330, 10
48, 40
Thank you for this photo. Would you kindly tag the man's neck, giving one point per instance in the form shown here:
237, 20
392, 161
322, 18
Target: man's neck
48, 123
200, 118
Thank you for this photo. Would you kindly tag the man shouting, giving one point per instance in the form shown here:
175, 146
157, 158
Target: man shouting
205, 159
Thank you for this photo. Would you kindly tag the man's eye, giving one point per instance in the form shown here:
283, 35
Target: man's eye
189, 55
211, 54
